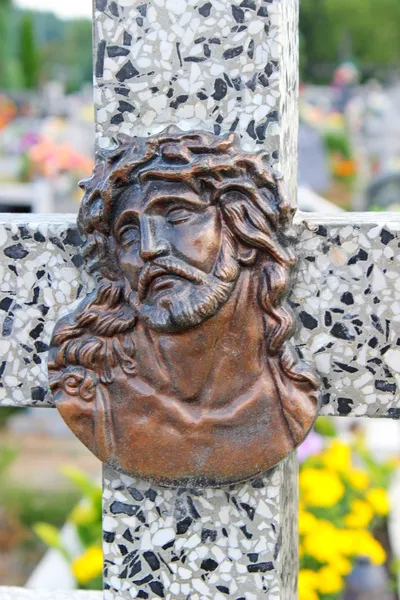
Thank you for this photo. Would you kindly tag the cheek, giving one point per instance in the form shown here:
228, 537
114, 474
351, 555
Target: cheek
130, 264
199, 241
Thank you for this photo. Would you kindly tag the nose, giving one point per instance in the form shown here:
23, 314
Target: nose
152, 245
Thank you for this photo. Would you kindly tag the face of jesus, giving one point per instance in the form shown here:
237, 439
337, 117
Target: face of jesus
168, 242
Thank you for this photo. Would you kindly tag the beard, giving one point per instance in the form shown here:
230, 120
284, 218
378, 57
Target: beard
194, 297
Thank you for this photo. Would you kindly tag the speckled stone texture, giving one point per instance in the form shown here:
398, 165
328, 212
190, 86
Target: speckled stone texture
237, 542
225, 65
346, 295
9, 593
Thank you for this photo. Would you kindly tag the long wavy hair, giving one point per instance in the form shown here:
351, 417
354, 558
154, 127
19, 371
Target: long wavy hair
255, 211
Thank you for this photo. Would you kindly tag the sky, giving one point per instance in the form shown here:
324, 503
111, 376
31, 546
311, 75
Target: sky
62, 8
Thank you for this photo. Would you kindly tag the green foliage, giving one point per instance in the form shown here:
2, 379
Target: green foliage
362, 30
28, 53
324, 426
7, 456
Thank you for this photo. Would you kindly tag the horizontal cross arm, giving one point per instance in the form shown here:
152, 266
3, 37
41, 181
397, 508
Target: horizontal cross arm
346, 296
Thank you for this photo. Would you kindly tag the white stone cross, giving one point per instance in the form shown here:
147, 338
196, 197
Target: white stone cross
219, 65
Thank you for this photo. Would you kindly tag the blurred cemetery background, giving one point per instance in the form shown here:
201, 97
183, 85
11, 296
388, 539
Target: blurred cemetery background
349, 159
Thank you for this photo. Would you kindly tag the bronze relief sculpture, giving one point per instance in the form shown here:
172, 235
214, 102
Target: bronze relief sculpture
177, 368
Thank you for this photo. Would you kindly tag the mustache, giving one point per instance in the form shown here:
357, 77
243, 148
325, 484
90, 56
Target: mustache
168, 266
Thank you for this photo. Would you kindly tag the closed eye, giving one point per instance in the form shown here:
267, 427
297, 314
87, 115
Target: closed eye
179, 215
129, 235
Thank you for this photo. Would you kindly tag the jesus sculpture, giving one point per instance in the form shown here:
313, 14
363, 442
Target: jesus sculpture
177, 367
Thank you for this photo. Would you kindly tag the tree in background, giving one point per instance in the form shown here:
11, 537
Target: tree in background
5, 53
365, 31
28, 53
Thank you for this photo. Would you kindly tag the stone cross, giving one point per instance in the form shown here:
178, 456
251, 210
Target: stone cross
222, 65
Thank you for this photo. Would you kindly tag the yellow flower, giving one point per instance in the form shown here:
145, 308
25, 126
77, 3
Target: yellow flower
358, 479
366, 545
379, 500
342, 565
307, 522
360, 516
323, 543
329, 581
320, 487
83, 514
337, 457
345, 541
308, 581
89, 565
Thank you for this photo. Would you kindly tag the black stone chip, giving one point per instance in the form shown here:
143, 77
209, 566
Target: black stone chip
263, 567
232, 52
249, 510
152, 560
101, 5
308, 321
386, 236
142, 9
118, 508
144, 580
127, 40
128, 71
117, 119
347, 298
108, 537
36, 331
238, 14
205, 10
72, 237
207, 50
195, 59
346, 368
114, 51
183, 525
179, 100
394, 413
151, 495
223, 589
39, 237
128, 536
114, 9
253, 557
99, 66
8, 326
77, 260
16, 252
38, 394
24, 233
345, 406
5, 304
340, 331
157, 588
248, 4
385, 386
209, 564
246, 533
136, 494
208, 534
361, 255
122, 91
41, 347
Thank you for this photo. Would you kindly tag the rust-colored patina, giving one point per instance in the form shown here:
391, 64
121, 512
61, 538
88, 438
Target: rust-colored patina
177, 368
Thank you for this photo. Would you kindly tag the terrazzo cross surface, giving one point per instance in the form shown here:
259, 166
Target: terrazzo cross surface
209, 543
347, 297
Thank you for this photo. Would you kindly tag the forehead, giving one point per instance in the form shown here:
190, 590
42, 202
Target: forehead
150, 196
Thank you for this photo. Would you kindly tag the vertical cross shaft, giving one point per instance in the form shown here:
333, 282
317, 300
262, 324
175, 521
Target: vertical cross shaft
219, 66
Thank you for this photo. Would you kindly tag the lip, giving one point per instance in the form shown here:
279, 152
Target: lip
162, 282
